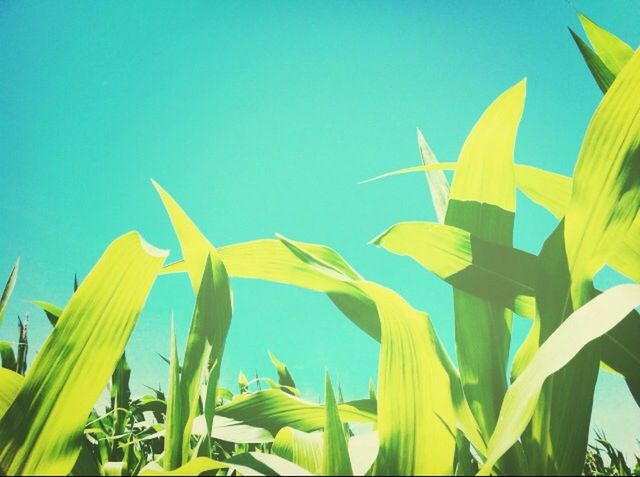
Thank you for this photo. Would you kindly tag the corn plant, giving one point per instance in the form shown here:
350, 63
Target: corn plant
427, 415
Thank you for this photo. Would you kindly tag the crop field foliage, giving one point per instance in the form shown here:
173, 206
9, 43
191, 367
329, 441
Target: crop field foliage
483, 415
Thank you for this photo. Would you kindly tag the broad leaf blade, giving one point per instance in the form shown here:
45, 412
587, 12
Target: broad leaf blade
482, 202
613, 52
40, 432
583, 326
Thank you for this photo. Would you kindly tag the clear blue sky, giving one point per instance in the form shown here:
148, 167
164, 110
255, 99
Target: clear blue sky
261, 118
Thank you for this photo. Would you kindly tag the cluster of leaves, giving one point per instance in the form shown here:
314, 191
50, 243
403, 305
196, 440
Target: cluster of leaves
427, 416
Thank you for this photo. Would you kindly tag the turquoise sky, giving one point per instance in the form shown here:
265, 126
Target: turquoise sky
261, 118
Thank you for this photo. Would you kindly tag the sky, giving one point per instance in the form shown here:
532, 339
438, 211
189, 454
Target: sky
262, 117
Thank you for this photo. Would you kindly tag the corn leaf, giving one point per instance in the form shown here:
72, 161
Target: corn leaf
319, 268
8, 289
257, 463
10, 384
613, 52
7, 356
273, 409
583, 326
40, 432
284, 375
437, 181
301, 448
211, 320
174, 417
495, 272
606, 189
197, 466
603, 76
414, 428
482, 202
335, 453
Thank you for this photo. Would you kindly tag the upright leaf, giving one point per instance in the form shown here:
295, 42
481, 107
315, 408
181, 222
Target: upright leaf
174, 417
40, 432
8, 289
583, 326
613, 52
437, 181
336, 455
482, 202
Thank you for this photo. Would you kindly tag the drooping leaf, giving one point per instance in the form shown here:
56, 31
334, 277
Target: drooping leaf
495, 272
53, 312
413, 427
258, 464
40, 432
321, 269
273, 409
284, 375
301, 448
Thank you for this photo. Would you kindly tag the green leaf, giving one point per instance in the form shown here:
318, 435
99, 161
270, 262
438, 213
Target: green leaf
613, 52
212, 316
503, 275
437, 181
53, 312
319, 268
174, 416
301, 448
548, 189
284, 375
10, 384
335, 456
257, 463
8, 289
583, 326
482, 202
414, 427
7, 356
197, 466
491, 271
273, 409
599, 70
40, 432
606, 188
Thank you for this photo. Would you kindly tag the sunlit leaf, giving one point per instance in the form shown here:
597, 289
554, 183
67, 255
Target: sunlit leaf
40, 431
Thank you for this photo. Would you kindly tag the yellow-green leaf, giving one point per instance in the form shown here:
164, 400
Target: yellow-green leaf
606, 187
40, 432
10, 384
584, 325
613, 52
